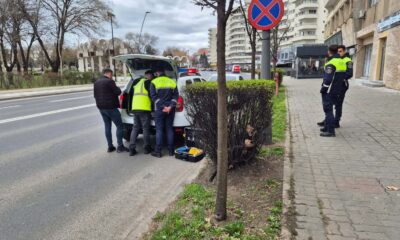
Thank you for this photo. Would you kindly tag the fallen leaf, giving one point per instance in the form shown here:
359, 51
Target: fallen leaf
392, 188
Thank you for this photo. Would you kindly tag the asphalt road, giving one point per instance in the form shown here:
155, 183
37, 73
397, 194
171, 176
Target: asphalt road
58, 182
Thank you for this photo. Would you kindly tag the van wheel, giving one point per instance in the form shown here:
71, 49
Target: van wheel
127, 129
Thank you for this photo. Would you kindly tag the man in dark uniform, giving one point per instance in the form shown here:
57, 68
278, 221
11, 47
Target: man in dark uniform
164, 94
330, 89
343, 86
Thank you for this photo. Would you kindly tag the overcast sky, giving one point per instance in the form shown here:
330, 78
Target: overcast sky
176, 22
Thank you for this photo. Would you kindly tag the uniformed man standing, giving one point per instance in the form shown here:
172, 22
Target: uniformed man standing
343, 85
164, 94
330, 89
141, 107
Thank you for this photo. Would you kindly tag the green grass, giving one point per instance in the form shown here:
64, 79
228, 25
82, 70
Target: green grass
190, 219
279, 116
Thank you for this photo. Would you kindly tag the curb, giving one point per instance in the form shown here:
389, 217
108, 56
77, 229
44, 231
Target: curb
287, 175
49, 92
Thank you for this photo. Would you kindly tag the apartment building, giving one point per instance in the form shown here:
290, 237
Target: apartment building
238, 48
302, 24
212, 46
371, 28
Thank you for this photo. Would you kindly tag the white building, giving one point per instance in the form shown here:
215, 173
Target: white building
238, 48
212, 46
304, 23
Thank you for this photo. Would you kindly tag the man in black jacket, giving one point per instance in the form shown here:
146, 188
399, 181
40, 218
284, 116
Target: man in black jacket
106, 94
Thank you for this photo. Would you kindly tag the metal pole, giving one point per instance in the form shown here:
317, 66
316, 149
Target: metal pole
113, 45
266, 74
141, 30
266, 55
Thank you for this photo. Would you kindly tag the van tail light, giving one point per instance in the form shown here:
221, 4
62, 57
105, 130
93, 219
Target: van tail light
121, 101
179, 104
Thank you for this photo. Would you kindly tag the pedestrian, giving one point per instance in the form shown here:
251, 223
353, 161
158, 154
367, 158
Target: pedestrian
330, 90
106, 95
141, 107
164, 94
342, 86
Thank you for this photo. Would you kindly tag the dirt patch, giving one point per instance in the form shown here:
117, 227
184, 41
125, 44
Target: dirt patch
253, 190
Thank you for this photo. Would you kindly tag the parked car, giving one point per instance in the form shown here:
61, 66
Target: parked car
138, 64
229, 77
236, 69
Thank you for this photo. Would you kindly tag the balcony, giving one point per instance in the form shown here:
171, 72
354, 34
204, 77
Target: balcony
307, 16
306, 27
304, 38
306, 4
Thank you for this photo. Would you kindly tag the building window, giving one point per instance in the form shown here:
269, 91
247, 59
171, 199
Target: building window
367, 61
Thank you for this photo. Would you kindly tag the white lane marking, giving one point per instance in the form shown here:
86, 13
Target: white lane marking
15, 106
45, 113
69, 99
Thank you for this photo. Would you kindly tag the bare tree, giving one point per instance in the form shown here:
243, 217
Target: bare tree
224, 9
277, 36
51, 20
10, 26
146, 42
252, 35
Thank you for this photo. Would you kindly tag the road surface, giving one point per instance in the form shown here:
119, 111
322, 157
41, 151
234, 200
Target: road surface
58, 182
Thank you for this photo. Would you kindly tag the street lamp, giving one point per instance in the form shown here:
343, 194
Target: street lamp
141, 29
111, 16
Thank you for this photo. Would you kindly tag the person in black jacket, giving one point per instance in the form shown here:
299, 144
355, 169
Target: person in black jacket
106, 94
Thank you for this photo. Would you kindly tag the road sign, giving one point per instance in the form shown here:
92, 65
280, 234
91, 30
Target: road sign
265, 14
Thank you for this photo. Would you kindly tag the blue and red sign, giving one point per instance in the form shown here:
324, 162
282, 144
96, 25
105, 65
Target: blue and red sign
265, 14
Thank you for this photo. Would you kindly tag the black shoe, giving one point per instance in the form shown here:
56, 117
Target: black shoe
171, 153
122, 148
323, 129
321, 124
337, 125
148, 149
327, 134
132, 152
156, 154
111, 149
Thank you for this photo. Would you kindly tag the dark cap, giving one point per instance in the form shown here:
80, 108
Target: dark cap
107, 70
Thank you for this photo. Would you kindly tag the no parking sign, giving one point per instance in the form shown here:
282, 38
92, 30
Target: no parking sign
265, 14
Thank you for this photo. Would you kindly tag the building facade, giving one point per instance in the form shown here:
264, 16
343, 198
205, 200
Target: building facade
371, 28
302, 24
212, 46
238, 47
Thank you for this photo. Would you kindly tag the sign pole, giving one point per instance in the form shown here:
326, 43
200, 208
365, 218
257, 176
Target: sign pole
266, 55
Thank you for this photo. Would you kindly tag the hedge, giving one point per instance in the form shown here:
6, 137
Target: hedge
249, 107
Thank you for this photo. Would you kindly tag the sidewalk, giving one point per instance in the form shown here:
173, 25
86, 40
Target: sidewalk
37, 92
340, 182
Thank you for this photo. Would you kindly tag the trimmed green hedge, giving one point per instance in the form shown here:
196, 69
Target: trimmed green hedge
249, 104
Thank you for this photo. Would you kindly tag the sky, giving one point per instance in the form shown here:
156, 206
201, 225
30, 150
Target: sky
177, 23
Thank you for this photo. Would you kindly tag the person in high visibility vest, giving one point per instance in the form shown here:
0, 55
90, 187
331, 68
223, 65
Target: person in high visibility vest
345, 84
141, 108
342, 86
164, 94
335, 70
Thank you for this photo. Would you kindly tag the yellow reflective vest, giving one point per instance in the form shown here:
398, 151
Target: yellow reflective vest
141, 100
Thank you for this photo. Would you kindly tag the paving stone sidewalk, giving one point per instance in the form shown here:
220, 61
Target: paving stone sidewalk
340, 182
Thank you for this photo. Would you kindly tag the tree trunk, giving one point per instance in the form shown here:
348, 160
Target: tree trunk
253, 54
222, 152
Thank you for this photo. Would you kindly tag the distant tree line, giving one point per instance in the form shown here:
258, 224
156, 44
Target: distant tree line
46, 23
